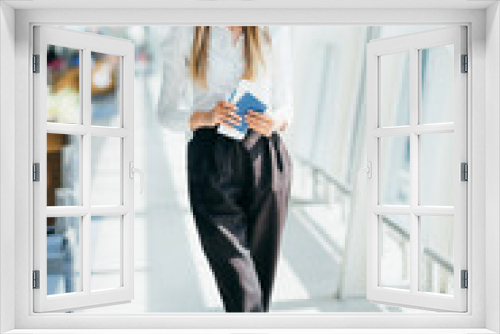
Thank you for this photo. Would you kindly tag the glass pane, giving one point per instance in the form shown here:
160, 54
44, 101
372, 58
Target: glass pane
394, 251
436, 254
437, 84
106, 162
63, 168
106, 89
63, 255
395, 170
105, 259
395, 89
63, 84
436, 169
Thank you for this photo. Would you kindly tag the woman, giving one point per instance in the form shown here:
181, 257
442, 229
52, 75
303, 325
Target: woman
238, 190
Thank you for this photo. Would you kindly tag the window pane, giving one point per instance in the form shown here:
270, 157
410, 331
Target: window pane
395, 89
436, 169
106, 252
395, 170
63, 255
394, 251
106, 161
436, 254
63, 84
63, 168
106, 89
437, 84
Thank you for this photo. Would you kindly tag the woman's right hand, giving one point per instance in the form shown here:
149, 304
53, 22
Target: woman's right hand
224, 112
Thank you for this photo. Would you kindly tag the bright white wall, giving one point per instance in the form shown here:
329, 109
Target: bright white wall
492, 166
7, 124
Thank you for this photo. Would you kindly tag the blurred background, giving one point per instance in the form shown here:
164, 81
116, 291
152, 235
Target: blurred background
322, 267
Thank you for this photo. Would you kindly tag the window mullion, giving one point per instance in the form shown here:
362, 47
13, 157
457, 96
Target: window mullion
73, 211
78, 129
85, 88
414, 168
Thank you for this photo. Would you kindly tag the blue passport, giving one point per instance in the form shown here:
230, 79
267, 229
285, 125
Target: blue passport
247, 102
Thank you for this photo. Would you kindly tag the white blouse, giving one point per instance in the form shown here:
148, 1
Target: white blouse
179, 96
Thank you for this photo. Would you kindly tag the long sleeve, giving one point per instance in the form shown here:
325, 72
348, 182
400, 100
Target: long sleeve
282, 76
175, 101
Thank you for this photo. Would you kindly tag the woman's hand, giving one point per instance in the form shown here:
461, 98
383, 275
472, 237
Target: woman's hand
260, 122
223, 112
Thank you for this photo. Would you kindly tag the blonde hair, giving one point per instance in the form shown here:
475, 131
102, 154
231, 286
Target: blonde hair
253, 45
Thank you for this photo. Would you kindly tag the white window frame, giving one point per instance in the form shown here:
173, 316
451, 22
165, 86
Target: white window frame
413, 43
86, 43
476, 317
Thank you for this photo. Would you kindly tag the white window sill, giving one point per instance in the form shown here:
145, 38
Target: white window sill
254, 331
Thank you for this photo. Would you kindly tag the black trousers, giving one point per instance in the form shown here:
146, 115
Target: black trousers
239, 193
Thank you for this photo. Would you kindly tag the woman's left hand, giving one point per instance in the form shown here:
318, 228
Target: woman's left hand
260, 122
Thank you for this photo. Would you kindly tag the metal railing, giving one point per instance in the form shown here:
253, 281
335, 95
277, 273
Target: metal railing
317, 175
